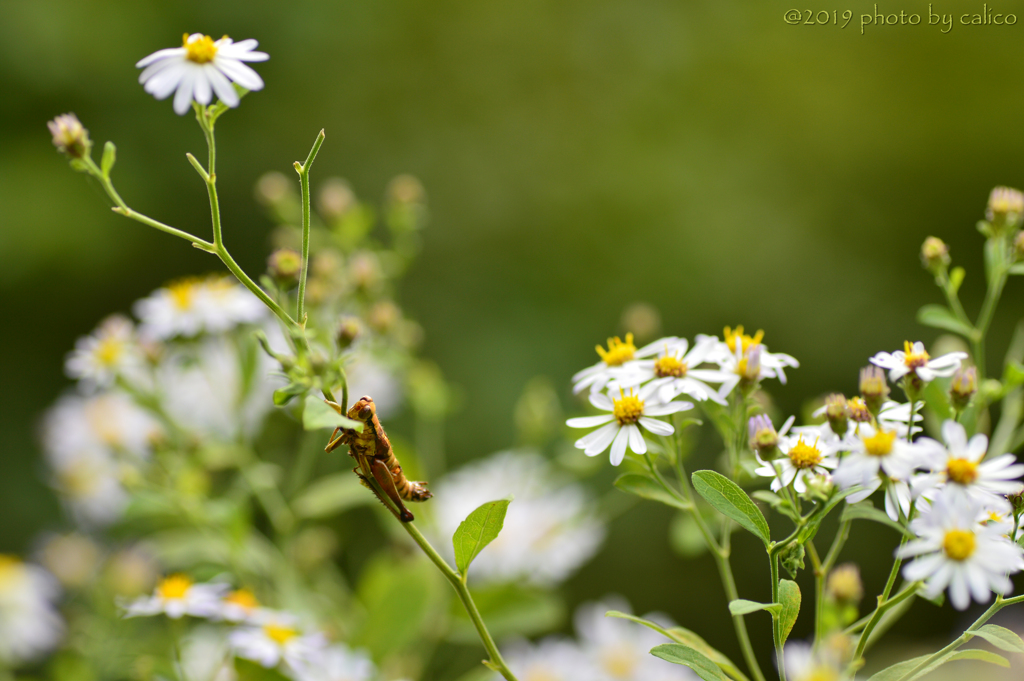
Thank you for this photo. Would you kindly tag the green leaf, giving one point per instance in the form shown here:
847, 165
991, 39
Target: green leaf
479, 529
316, 414
742, 606
956, 277
1013, 375
689, 639
900, 669
680, 654
897, 670
331, 495
865, 511
975, 654
401, 600
1017, 268
940, 317
648, 488
731, 501
283, 396
109, 156
808, 531
1001, 638
789, 598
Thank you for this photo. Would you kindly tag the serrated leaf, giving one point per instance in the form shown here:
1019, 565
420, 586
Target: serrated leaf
940, 317
956, 277
789, 598
479, 529
687, 638
741, 606
865, 511
1001, 638
646, 487
700, 664
331, 495
316, 414
726, 497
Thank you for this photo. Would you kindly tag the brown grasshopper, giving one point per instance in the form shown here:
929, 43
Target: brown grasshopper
372, 451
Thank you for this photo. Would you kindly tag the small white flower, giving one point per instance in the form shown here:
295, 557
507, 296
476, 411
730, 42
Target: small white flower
808, 453
177, 596
206, 656
278, 639
550, 530
109, 421
622, 426
109, 351
673, 372
200, 68
337, 663
954, 551
550, 659
803, 663
915, 359
190, 306
89, 483
597, 376
872, 453
959, 468
29, 622
240, 606
747, 357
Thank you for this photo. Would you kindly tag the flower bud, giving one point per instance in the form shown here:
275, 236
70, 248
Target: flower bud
792, 558
963, 386
69, 136
406, 189
335, 198
762, 437
934, 254
858, 409
365, 271
285, 265
348, 330
1005, 208
643, 320
384, 316
749, 368
844, 585
272, 188
1016, 502
873, 387
819, 487
837, 413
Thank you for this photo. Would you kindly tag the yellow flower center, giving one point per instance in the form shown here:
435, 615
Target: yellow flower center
913, 359
540, 674
804, 455
183, 292
10, 570
958, 544
670, 366
200, 50
745, 341
628, 408
858, 409
173, 588
880, 444
618, 353
279, 634
821, 674
108, 351
962, 471
620, 662
80, 480
243, 598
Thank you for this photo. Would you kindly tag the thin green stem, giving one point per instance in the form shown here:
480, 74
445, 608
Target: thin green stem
303, 171
883, 604
988, 307
953, 298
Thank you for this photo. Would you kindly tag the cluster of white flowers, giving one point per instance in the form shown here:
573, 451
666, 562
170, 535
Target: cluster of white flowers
29, 622
190, 306
271, 638
636, 385
963, 519
606, 649
550, 529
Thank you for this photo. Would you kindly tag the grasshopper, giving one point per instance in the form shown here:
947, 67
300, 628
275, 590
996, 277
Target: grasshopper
372, 451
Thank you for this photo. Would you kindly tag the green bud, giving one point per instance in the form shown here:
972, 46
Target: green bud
348, 330
934, 254
1017, 502
1005, 208
792, 558
963, 386
837, 413
762, 437
285, 266
1018, 246
873, 387
69, 136
844, 585
109, 157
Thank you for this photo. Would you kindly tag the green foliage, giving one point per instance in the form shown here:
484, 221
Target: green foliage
479, 529
331, 495
940, 317
509, 610
317, 414
730, 500
647, 487
742, 606
1001, 638
789, 598
680, 654
898, 671
864, 510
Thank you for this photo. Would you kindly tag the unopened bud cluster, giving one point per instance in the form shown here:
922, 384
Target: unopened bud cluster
1005, 208
838, 413
934, 254
762, 436
285, 266
844, 585
873, 387
963, 387
69, 136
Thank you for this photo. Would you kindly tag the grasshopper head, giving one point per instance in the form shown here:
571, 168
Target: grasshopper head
363, 409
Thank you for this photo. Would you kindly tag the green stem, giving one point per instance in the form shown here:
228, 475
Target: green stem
303, 171
988, 308
883, 605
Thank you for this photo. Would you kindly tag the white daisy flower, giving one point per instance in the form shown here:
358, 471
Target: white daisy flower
747, 356
89, 484
803, 663
225, 304
915, 359
872, 453
954, 551
597, 376
619, 649
549, 532
29, 623
279, 639
109, 421
337, 663
200, 68
622, 426
240, 606
673, 371
550, 659
959, 468
106, 353
190, 306
206, 655
177, 596
807, 454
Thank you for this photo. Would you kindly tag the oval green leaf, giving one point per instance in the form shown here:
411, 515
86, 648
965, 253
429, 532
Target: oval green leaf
726, 497
680, 654
742, 606
866, 511
479, 529
646, 487
317, 414
940, 317
789, 598
1001, 638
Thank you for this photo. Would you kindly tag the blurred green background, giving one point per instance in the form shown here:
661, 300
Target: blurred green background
704, 157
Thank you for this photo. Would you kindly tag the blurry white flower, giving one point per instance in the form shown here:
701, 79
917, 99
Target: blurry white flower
953, 550
109, 351
108, 421
89, 484
619, 649
959, 468
278, 639
806, 454
803, 663
550, 529
177, 596
337, 663
871, 453
915, 359
29, 622
673, 371
550, 659
737, 351
239, 606
200, 68
189, 306
71, 558
622, 426
597, 376
206, 655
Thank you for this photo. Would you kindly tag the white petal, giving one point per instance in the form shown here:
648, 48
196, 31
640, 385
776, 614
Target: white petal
958, 594
161, 54
589, 421
619, 446
183, 97
665, 409
598, 441
222, 86
164, 83
657, 427
636, 439
203, 91
239, 72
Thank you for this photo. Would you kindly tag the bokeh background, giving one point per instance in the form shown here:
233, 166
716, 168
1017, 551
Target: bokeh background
580, 156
